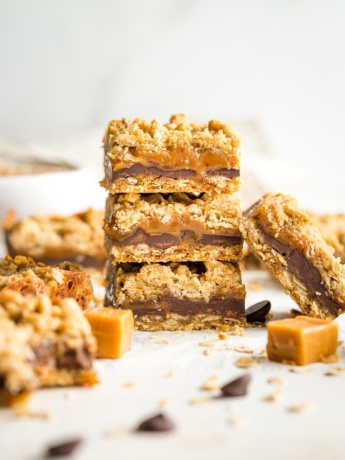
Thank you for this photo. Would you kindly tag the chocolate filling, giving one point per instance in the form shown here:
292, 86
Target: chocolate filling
138, 169
305, 271
46, 355
228, 307
167, 240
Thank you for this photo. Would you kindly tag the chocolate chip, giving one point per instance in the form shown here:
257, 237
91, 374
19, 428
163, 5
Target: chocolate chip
62, 450
157, 423
257, 313
237, 387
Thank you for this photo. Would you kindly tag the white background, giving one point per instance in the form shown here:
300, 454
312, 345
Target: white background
68, 67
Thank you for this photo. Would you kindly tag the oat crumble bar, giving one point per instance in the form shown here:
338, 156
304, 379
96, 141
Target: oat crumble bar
52, 239
43, 342
22, 274
332, 228
148, 157
292, 248
172, 296
173, 227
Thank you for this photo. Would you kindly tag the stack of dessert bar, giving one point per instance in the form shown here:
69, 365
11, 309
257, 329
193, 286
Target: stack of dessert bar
172, 223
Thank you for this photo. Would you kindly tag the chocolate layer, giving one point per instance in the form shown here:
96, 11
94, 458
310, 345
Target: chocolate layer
228, 307
138, 169
47, 354
305, 271
166, 240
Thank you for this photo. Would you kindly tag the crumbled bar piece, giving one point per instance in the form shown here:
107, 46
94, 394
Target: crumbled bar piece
159, 422
173, 227
291, 247
258, 312
171, 296
301, 340
64, 449
113, 330
53, 239
22, 274
237, 387
43, 342
144, 157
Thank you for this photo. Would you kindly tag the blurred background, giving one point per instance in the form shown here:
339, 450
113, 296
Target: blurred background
275, 69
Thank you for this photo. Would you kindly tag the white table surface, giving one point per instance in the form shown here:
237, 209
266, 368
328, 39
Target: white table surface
106, 415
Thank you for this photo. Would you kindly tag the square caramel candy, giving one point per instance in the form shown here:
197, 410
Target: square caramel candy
113, 330
301, 340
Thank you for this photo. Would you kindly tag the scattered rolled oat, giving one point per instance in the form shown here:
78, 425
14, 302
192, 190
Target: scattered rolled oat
254, 286
128, 385
115, 432
69, 395
163, 403
273, 397
275, 381
171, 373
301, 407
210, 384
246, 361
23, 411
199, 400
340, 343
222, 336
299, 370
330, 359
158, 336
207, 343
209, 351
242, 348
238, 330
238, 421
335, 371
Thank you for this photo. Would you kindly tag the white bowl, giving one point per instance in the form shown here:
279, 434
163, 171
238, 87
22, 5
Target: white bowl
61, 192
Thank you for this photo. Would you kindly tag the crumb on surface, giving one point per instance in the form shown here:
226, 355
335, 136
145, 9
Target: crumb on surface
254, 286
335, 371
245, 362
300, 407
222, 336
211, 384
275, 381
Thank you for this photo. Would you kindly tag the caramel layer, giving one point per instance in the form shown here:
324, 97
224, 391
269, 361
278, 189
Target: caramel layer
117, 170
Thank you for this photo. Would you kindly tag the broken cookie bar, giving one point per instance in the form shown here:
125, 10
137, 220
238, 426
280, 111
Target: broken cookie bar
173, 227
292, 248
43, 342
65, 280
172, 296
148, 157
52, 239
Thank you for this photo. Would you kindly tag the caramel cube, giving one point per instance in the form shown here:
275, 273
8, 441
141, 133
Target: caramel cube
113, 330
301, 340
